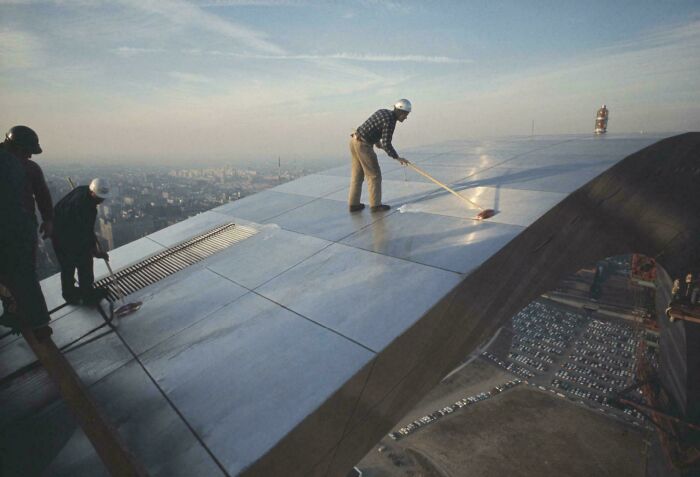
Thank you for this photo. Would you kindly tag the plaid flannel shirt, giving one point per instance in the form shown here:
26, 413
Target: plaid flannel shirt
379, 129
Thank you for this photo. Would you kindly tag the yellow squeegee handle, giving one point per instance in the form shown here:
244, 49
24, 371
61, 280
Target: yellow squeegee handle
428, 176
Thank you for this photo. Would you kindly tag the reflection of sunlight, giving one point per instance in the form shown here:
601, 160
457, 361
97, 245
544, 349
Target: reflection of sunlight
412, 208
477, 194
470, 238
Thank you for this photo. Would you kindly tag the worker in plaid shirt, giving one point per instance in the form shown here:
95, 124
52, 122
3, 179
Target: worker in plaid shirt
376, 131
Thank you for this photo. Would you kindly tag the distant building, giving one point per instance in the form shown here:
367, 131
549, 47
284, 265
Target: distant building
105, 231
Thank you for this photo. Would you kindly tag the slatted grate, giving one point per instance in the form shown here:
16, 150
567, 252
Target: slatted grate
174, 259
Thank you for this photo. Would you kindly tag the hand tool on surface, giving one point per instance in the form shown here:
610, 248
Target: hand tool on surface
125, 308
484, 214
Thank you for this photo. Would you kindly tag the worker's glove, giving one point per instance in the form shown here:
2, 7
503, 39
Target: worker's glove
102, 255
403, 161
46, 229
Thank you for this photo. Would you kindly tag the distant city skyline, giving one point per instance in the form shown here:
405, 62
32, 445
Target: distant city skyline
167, 82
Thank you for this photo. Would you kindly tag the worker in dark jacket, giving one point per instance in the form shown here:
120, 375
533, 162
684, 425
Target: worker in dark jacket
75, 242
36, 192
22, 299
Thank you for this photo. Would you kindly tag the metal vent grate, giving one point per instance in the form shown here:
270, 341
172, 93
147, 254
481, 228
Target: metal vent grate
174, 259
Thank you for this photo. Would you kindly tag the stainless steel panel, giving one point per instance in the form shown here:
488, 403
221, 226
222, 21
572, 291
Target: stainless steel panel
189, 228
33, 390
445, 174
515, 207
393, 192
263, 205
454, 244
174, 304
327, 219
562, 178
148, 425
365, 296
245, 376
69, 327
313, 185
263, 257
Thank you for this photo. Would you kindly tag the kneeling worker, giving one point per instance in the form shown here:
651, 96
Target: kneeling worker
376, 131
75, 242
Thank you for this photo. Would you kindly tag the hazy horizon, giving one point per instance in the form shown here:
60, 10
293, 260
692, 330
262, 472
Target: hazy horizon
179, 82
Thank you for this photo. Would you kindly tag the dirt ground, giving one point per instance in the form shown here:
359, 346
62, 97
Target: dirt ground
520, 432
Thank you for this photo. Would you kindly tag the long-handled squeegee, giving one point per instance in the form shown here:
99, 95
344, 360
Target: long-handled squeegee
484, 214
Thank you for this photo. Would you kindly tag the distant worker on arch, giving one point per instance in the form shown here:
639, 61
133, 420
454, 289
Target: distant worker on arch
75, 242
378, 131
601, 120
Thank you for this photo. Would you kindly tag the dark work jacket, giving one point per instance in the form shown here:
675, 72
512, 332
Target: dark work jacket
16, 222
35, 188
74, 223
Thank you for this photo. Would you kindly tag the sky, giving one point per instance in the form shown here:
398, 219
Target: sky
205, 82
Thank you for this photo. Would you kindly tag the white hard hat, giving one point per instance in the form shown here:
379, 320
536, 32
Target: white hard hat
403, 105
100, 187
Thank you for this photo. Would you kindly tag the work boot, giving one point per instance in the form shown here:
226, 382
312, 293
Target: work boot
10, 320
16, 324
72, 297
93, 296
380, 208
357, 208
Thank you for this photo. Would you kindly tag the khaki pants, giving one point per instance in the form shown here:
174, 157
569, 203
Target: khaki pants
364, 164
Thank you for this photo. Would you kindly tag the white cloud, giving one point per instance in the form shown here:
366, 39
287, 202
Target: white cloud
184, 13
128, 51
249, 3
338, 56
20, 49
189, 77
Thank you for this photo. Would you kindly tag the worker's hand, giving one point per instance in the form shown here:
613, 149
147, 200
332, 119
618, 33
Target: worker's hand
102, 255
404, 162
46, 229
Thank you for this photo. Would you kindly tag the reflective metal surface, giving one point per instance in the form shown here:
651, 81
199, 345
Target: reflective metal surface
549, 178
326, 219
313, 185
449, 243
262, 206
365, 296
263, 257
393, 192
248, 374
512, 206
187, 229
146, 422
174, 304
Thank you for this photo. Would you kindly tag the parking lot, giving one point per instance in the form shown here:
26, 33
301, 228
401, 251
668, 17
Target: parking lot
420, 422
575, 356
